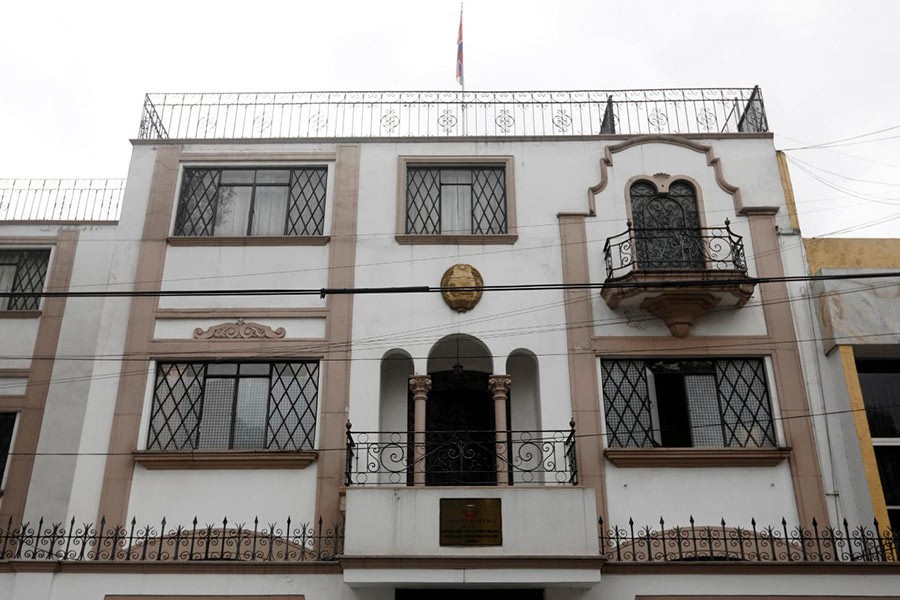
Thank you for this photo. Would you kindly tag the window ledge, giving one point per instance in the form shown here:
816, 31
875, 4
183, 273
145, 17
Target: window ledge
253, 240
462, 240
226, 459
20, 314
696, 457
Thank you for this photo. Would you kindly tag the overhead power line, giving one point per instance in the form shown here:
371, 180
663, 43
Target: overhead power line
422, 289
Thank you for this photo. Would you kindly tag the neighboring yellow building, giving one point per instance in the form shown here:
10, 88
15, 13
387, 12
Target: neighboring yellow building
860, 327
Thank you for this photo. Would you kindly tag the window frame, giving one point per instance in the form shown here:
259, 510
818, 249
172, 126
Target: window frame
450, 162
155, 444
770, 432
881, 366
204, 163
35, 303
5, 456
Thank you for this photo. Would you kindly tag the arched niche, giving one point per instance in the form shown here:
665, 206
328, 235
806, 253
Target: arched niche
460, 349
396, 368
525, 391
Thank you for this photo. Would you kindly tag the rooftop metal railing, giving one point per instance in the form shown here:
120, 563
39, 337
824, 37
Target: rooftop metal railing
61, 199
416, 114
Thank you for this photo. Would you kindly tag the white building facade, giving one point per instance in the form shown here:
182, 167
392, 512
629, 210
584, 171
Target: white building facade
391, 345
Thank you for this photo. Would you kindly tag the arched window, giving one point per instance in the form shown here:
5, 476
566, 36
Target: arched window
666, 226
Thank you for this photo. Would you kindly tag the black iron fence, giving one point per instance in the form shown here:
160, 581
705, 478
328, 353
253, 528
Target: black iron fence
452, 113
662, 542
61, 199
221, 541
674, 249
461, 458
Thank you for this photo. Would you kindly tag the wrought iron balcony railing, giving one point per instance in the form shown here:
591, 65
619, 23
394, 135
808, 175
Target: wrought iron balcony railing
222, 541
664, 542
461, 458
658, 249
61, 199
452, 114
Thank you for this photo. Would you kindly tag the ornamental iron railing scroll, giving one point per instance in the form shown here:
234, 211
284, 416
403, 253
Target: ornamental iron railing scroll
665, 542
401, 114
455, 458
675, 249
61, 199
221, 541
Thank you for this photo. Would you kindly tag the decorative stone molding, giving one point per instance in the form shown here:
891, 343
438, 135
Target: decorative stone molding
499, 385
239, 330
670, 296
225, 459
420, 385
696, 457
462, 276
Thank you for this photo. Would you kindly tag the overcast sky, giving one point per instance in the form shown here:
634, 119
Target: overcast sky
73, 74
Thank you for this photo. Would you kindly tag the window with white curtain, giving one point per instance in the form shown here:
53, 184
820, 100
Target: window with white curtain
252, 202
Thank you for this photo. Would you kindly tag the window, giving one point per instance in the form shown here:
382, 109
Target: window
7, 425
456, 200
667, 226
22, 272
252, 202
224, 406
880, 384
687, 403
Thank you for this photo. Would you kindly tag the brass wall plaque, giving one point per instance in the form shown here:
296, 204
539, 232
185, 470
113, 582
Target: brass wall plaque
471, 522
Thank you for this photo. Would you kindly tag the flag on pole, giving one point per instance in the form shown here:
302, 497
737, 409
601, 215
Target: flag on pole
459, 52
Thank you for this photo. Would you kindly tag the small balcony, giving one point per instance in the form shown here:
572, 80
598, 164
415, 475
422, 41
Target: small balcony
676, 274
461, 458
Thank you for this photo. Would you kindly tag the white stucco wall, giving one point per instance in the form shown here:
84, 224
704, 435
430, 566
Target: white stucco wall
546, 521
749, 165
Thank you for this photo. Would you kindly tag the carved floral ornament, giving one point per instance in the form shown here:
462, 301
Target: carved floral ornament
461, 276
239, 330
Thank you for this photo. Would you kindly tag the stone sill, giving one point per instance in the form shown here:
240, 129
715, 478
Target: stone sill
20, 314
461, 240
696, 457
253, 240
226, 459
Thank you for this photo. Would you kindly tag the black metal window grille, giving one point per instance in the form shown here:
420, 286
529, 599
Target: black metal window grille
667, 226
248, 202
676, 403
222, 406
7, 425
22, 272
455, 200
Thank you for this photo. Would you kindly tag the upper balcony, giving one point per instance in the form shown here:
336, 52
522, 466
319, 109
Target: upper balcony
452, 114
676, 273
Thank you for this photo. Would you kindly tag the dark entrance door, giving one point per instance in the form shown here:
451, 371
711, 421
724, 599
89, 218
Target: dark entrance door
460, 438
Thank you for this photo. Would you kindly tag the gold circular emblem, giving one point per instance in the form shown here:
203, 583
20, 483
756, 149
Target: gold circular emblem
461, 276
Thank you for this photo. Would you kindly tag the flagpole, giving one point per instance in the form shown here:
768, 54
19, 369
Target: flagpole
460, 73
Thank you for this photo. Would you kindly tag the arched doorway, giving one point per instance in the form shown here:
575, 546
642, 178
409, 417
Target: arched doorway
461, 417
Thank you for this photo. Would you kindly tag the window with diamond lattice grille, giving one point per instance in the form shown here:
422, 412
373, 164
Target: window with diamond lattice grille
224, 406
250, 202
456, 201
22, 272
687, 403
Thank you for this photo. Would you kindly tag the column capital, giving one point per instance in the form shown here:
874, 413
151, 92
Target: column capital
420, 384
499, 384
